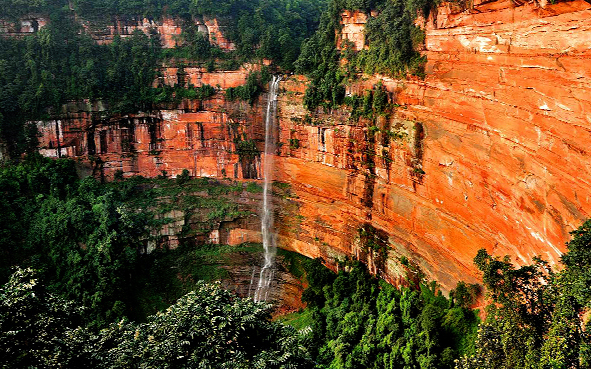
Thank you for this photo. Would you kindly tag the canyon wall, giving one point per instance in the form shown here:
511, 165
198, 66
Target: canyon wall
209, 138
489, 149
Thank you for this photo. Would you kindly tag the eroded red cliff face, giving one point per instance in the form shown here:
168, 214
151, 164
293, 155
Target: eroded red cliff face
500, 127
209, 138
489, 150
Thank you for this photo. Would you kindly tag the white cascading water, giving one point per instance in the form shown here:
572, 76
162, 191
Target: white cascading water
268, 270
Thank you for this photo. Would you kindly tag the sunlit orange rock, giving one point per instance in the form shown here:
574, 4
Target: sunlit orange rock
505, 111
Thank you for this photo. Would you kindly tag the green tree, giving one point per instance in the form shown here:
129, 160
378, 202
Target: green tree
535, 316
33, 323
207, 328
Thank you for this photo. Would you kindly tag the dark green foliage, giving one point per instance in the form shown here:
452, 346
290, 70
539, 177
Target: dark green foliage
319, 60
12, 9
535, 319
33, 323
393, 40
521, 314
277, 27
184, 177
294, 143
169, 94
165, 275
246, 149
578, 263
88, 239
82, 236
254, 187
465, 295
194, 46
392, 37
361, 322
374, 103
255, 84
91, 9
272, 29
43, 71
206, 328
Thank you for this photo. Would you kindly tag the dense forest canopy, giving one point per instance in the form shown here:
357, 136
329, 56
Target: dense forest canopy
272, 29
207, 328
87, 240
40, 73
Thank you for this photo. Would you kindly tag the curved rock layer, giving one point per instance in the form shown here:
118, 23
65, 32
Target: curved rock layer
494, 153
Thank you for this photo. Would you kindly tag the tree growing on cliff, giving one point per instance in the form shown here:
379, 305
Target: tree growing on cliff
536, 317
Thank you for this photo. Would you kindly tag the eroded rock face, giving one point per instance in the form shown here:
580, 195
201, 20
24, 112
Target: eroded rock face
24, 26
504, 121
209, 138
352, 30
489, 150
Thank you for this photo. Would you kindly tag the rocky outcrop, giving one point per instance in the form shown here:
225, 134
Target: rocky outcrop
353, 30
489, 150
168, 28
22, 27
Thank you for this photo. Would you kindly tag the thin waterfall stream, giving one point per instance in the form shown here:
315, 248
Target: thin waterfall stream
268, 270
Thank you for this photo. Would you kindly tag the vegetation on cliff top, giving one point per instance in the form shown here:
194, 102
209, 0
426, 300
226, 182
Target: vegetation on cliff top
392, 38
40, 73
271, 29
61, 62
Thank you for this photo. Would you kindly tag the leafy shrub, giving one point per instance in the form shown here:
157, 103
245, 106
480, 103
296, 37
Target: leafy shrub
255, 84
359, 321
206, 328
184, 177
294, 143
253, 187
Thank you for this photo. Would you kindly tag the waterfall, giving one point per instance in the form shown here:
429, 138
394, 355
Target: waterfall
267, 272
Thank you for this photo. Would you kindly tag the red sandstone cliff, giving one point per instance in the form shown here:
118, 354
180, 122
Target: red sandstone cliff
505, 119
492, 147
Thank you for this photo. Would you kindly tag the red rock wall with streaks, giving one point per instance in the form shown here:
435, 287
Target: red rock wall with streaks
500, 126
199, 136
